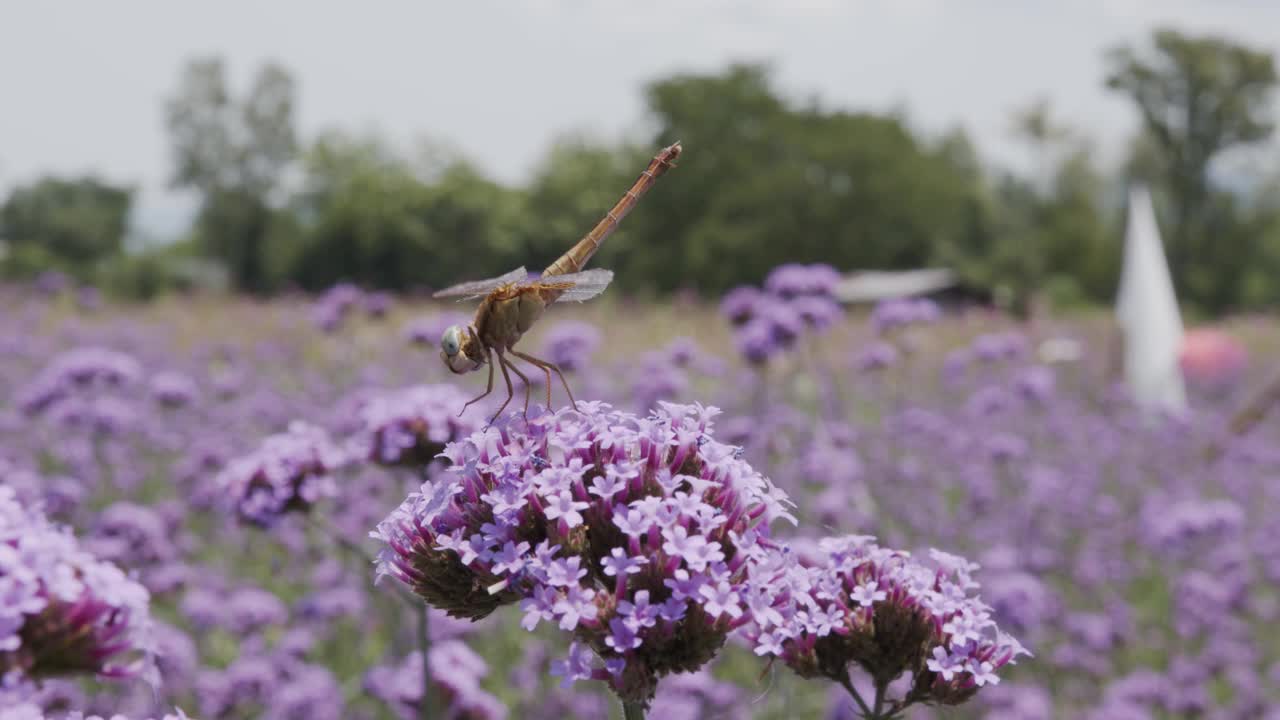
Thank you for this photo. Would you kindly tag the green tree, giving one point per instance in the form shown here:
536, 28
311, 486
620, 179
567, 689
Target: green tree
1198, 97
69, 224
364, 215
234, 153
1048, 234
768, 182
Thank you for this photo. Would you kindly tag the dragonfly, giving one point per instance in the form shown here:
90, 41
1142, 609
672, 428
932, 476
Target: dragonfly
510, 304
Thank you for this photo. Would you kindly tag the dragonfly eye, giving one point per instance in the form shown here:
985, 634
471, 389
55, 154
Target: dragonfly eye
451, 341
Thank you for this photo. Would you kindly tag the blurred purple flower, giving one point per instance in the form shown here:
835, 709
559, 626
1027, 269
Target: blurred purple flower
571, 344
739, 304
427, 331
62, 611
411, 426
456, 672
173, 389
378, 304
795, 280
75, 371
332, 308
288, 472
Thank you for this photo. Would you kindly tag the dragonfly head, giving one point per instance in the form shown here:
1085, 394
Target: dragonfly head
460, 349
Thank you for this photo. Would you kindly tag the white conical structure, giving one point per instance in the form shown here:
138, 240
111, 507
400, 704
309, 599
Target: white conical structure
1147, 311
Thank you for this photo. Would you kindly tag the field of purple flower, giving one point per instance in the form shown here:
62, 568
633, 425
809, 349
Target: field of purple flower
248, 462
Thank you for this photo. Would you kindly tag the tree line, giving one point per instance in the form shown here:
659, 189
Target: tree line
767, 181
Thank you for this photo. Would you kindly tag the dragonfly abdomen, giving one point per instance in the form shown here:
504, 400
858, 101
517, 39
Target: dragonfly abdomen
580, 254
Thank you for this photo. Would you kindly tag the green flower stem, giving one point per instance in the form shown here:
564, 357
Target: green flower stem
866, 709
429, 699
632, 710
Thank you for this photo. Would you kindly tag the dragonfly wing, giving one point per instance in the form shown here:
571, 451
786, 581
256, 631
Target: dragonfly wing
480, 288
585, 285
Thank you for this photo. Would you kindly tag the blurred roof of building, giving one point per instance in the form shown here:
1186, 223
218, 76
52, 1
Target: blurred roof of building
876, 285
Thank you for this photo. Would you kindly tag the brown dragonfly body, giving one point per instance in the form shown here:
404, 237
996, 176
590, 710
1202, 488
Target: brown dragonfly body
512, 303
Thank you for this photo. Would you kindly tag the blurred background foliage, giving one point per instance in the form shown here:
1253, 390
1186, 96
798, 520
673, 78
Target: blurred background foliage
766, 180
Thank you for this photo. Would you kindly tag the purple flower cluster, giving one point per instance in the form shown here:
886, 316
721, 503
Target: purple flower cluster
410, 427
174, 389
78, 370
288, 472
378, 304
270, 685
632, 533
331, 309
794, 280
570, 345
456, 672
665, 374
796, 299
64, 612
898, 313
849, 603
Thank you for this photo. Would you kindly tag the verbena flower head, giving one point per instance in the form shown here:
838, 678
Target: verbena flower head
173, 389
288, 472
739, 304
78, 370
456, 671
796, 299
62, 611
332, 308
794, 280
632, 533
571, 344
378, 304
851, 603
890, 315
411, 426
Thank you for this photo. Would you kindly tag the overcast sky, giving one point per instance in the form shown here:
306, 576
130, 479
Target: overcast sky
82, 83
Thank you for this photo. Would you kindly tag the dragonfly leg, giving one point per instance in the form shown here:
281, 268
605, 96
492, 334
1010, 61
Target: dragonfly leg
540, 365
488, 388
528, 388
549, 367
511, 392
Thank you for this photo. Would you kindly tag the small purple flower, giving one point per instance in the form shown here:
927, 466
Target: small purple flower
619, 563
945, 664
577, 666
866, 594
564, 508
720, 600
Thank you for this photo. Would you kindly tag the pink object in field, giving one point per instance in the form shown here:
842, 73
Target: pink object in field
1209, 355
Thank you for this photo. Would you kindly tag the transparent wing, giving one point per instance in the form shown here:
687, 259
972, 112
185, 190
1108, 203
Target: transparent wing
585, 285
480, 288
